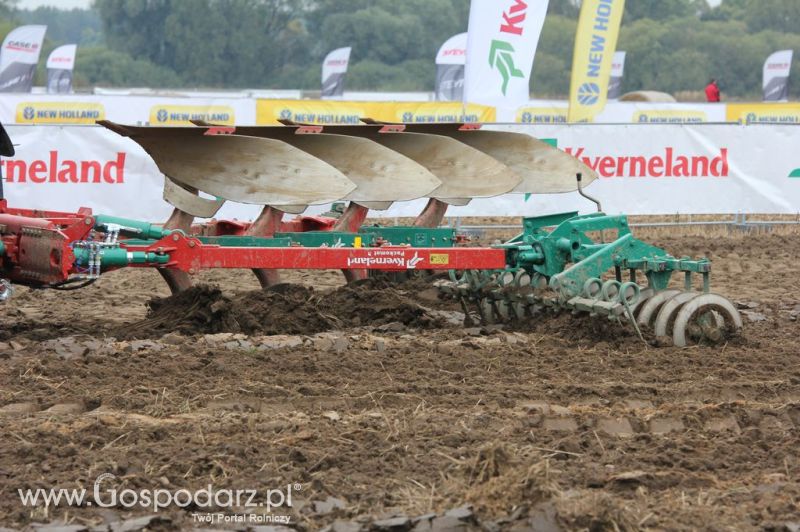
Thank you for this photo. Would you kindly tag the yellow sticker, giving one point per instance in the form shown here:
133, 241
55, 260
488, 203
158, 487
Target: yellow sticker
182, 115
59, 113
435, 113
542, 115
764, 113
317, 112
670, 117
440, 259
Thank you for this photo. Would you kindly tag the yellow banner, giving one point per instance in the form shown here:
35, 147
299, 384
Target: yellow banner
542, 115
672, 116
59, 113
319, 112
329, 112
182, 115
434, 112
595, 44
764, 113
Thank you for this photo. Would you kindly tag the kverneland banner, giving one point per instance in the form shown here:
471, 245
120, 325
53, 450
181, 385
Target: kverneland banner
644, 169
502, 42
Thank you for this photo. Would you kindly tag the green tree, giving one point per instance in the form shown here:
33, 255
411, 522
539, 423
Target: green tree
99, 66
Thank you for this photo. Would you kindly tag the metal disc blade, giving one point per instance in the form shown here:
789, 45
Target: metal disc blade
379, 173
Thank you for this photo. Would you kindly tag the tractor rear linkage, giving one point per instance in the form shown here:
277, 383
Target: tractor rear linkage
557, 263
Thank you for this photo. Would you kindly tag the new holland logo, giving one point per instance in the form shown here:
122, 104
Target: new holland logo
588, 94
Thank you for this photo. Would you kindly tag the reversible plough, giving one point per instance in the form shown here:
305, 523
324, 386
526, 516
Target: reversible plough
583, 264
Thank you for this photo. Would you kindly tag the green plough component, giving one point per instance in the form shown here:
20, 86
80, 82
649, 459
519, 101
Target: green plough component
578, 263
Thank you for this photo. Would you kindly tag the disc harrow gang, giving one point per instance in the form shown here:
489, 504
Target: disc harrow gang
558, 263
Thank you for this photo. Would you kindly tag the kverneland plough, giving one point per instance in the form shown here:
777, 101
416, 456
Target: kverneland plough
559, 262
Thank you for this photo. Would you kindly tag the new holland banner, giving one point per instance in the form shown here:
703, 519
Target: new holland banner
19, 57
501, 45
595, 44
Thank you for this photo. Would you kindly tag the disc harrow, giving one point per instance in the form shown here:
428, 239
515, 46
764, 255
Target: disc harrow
559, 266
580, 264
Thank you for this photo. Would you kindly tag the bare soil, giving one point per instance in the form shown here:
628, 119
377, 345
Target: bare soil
378, 404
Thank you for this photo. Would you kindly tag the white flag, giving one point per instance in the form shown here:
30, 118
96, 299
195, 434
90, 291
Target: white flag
450, 63
19, 57
617, 74
777, 70
334, 70
60, 65
502, 41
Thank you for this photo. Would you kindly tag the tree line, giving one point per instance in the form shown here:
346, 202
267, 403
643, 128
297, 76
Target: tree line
673, 45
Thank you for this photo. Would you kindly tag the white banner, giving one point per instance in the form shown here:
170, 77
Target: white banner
334, 70
777, 70
19, 57
617, 75
657, 169
60, 65
450, 63
501, 46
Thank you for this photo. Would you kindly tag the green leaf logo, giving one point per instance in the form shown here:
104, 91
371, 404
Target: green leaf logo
501, 57
795, 174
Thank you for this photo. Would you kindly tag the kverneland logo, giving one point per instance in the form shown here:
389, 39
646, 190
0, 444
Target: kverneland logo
56, 170
670, 164
501, 53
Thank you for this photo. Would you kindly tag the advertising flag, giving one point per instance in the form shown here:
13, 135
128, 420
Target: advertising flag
776, 76
19, 57
617, 73
595, 44
334, 70
60, 65
501, 46
450, 63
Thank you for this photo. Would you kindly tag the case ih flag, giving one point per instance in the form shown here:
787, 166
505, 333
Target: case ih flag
19, 57
777, 70
617, 75
60, 65
334, 70
450, 63
502, 41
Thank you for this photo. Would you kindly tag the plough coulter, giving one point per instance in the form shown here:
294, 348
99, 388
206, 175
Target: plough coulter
582, 264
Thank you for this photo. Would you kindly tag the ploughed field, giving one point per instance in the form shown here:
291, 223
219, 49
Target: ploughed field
383, 412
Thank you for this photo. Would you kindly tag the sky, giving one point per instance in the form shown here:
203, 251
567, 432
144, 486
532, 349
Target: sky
69, 4
64, 4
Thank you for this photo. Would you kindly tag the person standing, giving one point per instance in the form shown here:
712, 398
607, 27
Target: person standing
712, 92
